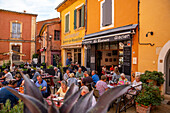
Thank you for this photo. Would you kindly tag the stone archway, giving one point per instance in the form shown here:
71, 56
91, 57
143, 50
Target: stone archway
162, 62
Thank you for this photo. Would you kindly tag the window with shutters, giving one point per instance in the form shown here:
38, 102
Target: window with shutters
56, 35
106, 14
15, 29
67, 22
79, 17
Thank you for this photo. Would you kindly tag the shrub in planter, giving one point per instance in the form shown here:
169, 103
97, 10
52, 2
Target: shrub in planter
150, 95
149, 76
19, 108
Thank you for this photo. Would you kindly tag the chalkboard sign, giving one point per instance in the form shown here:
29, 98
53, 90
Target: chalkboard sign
127, 60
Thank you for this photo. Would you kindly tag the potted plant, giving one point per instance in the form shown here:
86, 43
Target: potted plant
155, 77
149, 96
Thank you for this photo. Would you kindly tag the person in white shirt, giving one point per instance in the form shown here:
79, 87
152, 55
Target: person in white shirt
137, 83
7, 77
84, 91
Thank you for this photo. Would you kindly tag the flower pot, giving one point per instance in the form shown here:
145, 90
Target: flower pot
142, 108
154, 82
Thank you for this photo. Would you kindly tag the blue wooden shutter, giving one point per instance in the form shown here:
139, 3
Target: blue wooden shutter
82, 16
107, 13
75, 18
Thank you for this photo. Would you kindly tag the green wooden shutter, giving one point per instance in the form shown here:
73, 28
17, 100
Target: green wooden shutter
82, 16
75, 18
67, 23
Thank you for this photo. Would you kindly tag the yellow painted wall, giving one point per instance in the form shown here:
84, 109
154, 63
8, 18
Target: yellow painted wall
154, 16
74, 36
125, 13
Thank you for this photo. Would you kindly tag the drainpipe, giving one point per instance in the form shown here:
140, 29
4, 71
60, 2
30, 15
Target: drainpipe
139, 28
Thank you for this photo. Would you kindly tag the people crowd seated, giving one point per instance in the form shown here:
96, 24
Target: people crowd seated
123, 80
42, 85
63, 89
101, 85
95, 77
5, 94
79, 73
66, 75
72, 80
81, 78
7, 77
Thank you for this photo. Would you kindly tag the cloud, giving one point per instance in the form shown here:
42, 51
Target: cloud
44, 8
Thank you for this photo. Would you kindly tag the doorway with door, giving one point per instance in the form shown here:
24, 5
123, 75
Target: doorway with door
168, 73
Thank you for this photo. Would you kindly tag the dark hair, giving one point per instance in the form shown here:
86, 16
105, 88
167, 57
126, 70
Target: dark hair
6, 70
103, 77
12, 82
39, 76
18, 76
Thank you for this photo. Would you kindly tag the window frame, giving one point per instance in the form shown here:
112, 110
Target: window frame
101, 16
78, 19
11, 29
56, 36
65, 23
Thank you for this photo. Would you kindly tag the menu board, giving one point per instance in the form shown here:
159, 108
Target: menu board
127, 60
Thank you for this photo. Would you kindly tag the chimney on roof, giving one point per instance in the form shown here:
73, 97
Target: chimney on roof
24, 11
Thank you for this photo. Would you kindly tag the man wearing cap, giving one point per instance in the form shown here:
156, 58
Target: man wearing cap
7, 77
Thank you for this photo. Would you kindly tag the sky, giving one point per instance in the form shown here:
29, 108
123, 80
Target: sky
44, 8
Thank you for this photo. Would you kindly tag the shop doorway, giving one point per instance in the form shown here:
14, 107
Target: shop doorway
168, 73
99, 57
16, 57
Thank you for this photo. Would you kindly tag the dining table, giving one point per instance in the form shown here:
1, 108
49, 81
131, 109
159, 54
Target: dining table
50, 77
58, 101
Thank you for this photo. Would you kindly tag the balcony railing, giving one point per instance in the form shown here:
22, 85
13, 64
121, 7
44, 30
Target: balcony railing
15, 35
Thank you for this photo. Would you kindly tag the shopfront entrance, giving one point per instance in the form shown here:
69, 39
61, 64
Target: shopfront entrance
168, 73
114, 53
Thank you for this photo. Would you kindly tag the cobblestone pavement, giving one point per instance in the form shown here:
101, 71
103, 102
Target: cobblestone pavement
163, 108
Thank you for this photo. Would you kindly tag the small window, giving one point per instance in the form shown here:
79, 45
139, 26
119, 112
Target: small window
67, 23
16, 30
107, 13
56, 35
79, 17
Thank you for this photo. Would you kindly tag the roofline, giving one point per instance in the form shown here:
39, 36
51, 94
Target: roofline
18, 12
118, 29
47, 19
60, 4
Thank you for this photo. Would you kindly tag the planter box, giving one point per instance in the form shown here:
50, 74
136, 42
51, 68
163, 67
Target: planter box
154, 82
142, 108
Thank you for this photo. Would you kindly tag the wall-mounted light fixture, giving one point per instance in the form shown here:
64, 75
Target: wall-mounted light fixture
149, 33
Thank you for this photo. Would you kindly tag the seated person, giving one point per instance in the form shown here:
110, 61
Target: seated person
122, 79
79, 73
103, 72
116, 75
7, 77
87, 80
66, 75
19, 79
84, 91
104, 68
112, 68
37, 73
95, 77
137, 83
63, 89
101, 85
42, 85
72, 80
5, 94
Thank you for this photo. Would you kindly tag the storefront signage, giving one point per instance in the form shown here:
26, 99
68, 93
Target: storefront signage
127, 60
72, 40
72, 35
108, 39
